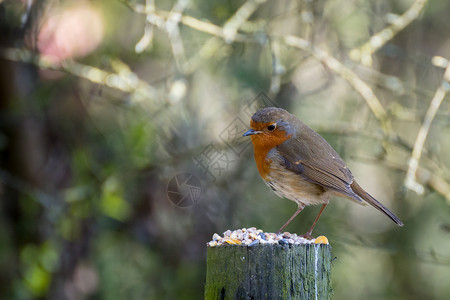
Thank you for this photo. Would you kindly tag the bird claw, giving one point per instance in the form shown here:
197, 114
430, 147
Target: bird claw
307, 236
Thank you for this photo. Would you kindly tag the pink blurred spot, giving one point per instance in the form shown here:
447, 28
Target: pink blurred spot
73, 32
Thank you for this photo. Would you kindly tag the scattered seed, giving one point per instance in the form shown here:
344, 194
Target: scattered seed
262, 235
283, 242
254, 243
252, 237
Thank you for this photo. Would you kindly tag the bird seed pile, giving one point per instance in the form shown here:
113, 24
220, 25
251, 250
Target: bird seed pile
252, 237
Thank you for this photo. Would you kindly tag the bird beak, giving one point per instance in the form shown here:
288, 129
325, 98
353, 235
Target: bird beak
251, 132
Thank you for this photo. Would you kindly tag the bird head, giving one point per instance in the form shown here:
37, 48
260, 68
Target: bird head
270, 127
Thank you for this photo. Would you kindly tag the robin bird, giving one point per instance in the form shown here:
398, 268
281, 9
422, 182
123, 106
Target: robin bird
298, 164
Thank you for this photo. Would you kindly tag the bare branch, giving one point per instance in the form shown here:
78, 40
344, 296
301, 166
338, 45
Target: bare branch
413, 163
423, 176
364, 53
346, 73
124, 80
232, 26
159, 18
147, 38
209, 48
277, 68
173, 31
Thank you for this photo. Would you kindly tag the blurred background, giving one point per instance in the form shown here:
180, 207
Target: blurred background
121, 151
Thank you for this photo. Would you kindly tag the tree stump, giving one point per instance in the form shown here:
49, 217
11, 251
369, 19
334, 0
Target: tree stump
269, 271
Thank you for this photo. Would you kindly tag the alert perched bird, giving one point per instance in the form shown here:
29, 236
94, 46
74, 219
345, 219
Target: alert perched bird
298, 164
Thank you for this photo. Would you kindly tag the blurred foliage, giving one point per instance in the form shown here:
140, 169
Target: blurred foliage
92, 131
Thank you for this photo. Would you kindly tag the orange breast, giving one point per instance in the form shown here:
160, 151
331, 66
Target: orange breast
262, 162
262, 144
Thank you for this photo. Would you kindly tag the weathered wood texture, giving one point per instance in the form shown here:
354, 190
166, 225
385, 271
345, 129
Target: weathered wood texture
269, 272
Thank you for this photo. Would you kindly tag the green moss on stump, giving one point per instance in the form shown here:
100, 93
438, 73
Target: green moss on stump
269, 271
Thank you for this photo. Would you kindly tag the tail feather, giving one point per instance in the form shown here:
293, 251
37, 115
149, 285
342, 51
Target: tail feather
372, 201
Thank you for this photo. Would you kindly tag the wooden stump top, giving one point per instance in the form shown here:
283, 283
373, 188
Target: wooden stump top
269, 271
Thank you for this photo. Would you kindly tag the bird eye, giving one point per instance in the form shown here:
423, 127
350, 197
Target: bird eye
271, 127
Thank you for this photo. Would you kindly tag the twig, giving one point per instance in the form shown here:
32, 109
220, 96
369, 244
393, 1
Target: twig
435, 182
158, 18
187, 66
346, 73
424, 176
125, 81
209, 48
173, 31
277, 68
205, 27
147, 38
413, 163
233, 24
378, 40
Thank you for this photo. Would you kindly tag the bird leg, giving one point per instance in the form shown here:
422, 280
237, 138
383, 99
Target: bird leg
301, 206
308, 234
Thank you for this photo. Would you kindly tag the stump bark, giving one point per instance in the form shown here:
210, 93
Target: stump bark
269, 271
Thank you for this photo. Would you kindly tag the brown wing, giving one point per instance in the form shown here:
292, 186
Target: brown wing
310, 156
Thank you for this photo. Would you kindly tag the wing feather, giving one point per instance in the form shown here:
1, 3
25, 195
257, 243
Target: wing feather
325, 168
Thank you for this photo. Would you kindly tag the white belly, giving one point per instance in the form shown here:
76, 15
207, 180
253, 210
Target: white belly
289, 185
